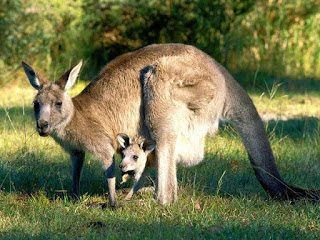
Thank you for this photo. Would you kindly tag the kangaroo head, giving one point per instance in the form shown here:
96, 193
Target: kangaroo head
134, 153
53, 108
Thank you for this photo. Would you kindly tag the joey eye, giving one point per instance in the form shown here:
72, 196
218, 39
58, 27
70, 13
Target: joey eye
135, 157
58, 104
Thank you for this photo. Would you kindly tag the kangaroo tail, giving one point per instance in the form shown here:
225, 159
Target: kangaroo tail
241, 112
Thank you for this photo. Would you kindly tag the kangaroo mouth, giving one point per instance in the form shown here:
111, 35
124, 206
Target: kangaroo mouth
43, 133
128, 172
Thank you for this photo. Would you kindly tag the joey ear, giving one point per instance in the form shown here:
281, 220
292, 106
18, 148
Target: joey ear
148, 145
68, 79
34, 78
141, 144
123, 139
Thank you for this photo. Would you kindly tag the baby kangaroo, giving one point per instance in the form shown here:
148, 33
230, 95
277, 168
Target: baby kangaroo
135, 158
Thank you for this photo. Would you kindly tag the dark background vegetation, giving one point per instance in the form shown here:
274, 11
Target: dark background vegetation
278, 38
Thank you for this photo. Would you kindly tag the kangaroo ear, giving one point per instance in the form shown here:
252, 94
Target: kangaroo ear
68, 79
148, 145
35, 79
124, 140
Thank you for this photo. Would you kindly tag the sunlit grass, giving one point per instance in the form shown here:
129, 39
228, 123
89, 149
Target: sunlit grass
218, 199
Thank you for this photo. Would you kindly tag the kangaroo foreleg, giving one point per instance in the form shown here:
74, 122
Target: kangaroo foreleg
137, 184
77, 159
111, 178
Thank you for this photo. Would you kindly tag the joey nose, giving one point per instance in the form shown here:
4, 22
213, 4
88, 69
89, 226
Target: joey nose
121, 165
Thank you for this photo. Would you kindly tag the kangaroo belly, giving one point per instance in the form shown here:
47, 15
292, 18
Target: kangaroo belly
190, 145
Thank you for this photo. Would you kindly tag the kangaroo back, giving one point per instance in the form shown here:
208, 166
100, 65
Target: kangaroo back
183, 94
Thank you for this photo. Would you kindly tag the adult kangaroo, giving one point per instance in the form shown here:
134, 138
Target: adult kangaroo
175, 94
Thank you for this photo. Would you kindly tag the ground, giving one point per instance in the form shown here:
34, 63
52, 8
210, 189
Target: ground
218, 199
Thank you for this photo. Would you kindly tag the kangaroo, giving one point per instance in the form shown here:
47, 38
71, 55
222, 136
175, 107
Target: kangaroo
135, 158
172, 93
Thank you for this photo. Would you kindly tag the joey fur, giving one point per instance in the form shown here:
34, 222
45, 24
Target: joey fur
135, 158
172, 93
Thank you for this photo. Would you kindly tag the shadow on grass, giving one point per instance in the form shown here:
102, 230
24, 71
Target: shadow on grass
258, 81
31, 174
233, 176
130, 229
116, 228
296, 128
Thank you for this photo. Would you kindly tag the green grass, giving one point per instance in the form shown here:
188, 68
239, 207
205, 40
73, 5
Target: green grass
218, 199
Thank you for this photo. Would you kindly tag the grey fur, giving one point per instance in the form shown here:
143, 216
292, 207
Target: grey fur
141, 149
175, 94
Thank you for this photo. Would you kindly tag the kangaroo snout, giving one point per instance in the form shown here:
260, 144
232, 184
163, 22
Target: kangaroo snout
42, 124
125, 167
121, 165
43, 127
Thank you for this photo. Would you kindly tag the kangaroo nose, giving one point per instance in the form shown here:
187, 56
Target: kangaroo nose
121, 165
42, 124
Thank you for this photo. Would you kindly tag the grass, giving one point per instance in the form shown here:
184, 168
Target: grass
218, 199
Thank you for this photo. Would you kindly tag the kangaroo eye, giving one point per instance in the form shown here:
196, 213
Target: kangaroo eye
36, 105
59, 104
135, 157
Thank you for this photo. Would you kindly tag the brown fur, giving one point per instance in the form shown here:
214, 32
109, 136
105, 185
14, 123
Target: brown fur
136, 158
172, 92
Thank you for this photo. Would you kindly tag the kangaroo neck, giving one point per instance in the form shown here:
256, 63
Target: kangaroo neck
60, 131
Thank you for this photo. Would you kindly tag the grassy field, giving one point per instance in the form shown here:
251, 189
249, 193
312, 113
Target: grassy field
218, 199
